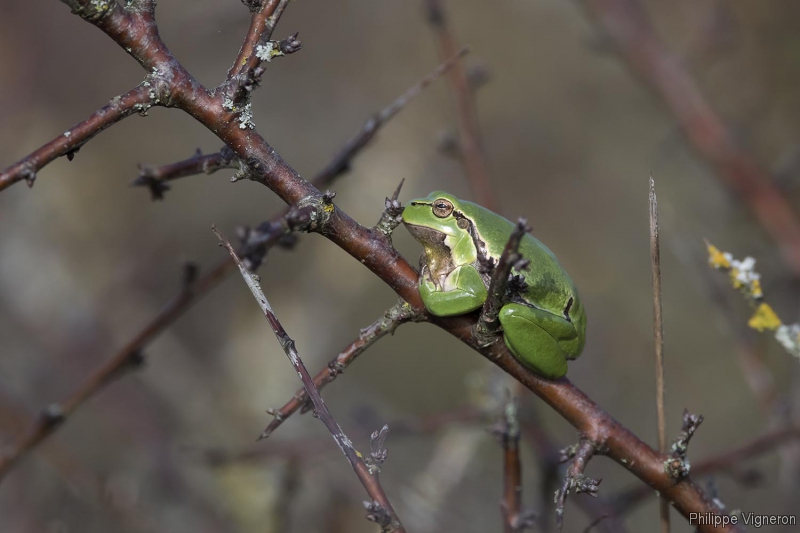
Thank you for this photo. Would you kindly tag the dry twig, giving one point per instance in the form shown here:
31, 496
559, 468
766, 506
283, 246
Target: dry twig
379, 509
580, 454
658, 330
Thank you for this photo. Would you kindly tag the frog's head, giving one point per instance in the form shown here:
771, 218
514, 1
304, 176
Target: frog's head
433, 218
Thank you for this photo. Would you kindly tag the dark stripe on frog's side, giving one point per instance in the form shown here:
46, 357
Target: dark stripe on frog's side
543, 291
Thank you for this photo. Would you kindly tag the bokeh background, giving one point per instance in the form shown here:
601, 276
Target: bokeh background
571, 136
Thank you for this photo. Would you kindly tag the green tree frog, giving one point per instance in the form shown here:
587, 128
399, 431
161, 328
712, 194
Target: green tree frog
543, 325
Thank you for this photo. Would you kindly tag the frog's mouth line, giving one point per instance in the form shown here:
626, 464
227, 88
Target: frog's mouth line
425, 235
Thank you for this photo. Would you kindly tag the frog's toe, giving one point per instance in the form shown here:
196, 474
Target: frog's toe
531, 344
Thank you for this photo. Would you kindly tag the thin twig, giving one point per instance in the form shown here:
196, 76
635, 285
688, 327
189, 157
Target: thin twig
580, 455
471, 146
628, 26
399, 314
129, 357
380, 509
339, 164
262, 25
156, 178
42, 427
550, 459
489, 322
626, 500
402, 427
515, 518
658, 332
137, 100
342, 160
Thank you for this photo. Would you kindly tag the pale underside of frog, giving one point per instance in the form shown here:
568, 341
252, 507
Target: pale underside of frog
543, 325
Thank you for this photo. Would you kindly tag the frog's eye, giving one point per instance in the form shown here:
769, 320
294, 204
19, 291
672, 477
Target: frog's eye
442, 208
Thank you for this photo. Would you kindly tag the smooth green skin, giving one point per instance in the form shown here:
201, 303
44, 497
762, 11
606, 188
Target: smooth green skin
542, 330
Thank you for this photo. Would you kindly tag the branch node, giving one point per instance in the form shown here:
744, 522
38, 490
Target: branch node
392, 215
92, 10
380, 515
690, 424
321, 209
378, 451
575, 480
53, 415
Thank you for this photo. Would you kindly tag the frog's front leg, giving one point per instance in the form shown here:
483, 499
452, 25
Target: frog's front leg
461, 291
537, 338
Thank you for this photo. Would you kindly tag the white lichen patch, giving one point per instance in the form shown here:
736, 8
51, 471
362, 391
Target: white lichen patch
789, 337
228, 104
268, 50
67, 133
744, 274
743, 277
245, 118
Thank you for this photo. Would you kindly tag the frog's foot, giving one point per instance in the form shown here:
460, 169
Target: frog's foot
535, 336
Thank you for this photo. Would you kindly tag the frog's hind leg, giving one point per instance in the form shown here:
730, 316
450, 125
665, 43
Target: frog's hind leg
535, 337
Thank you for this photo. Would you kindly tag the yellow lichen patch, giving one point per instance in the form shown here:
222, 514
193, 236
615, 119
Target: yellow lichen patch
328, 207
716, 258
755, 289
735, 281
764, 318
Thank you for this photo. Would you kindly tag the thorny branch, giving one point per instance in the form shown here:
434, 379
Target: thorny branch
598, 508
399, 314
137, 100
131, 356
256, 243
339, 164
732, 459
575, 480
156, 178
379, 509
135, 30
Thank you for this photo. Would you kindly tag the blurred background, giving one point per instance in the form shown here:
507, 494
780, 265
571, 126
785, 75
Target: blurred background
571, 135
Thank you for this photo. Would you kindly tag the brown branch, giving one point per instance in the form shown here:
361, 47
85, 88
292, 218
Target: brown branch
128, 358
137, 100
580, 455
131, 356
386, 325
627, 25
156, 178
379, 509
625, 501
266, 14
256, 243
599, 509
375, 252
295, 449
515, 518
658, 333
472, 153
13, 418
341, 162
489, 322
